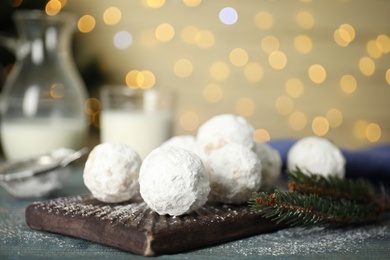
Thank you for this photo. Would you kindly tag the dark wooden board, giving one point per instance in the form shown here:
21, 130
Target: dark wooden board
135, 228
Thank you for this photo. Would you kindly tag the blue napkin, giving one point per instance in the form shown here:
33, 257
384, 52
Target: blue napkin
370, 163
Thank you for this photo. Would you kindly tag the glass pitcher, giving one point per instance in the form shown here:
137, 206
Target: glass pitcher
42, 104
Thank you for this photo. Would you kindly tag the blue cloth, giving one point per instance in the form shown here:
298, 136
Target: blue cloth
370, 163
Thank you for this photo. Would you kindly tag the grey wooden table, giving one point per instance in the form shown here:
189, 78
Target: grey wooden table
18, 241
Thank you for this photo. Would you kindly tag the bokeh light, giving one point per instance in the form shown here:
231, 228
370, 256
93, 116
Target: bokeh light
245, 107
303, 44
261, 135
154, 3
270, 44
373, 132
228, 16
367, 66
219, 71
284, 105
373, 49
183, 68
112, 15
53, 7
348, 84
277, 60
320, 126
253, 72
189, 34
238, 57
297, 120
387, 76
86, 23
305, 20
165, 32
192, 3
264, 20
122, 39
334, 117
204, 39
294, 87
213, 93
317, 73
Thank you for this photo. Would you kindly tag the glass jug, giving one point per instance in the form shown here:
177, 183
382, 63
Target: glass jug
42, 104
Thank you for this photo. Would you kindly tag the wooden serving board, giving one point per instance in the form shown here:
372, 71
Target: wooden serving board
135, 228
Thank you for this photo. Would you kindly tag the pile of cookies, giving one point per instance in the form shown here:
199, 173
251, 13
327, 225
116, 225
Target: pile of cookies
221, 164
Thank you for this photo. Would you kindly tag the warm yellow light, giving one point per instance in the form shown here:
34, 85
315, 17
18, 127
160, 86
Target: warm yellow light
303, 44
305, 20
192, 3
238, 57
189, 121
204, 39
245, 107
219, 71
16, 3
57, 91
350, 32
294, 87
359, 129
348, 84
297, 120
253, 72
383, 43
270, 44
264, 20
188, 34
284, 105
341, 37
367, 66
53, 7
317, 73
183, 68
387, 76
373, 132
154, 3
146, 79
131, 78
373, 49
335, 117
277, 60
86, 23
112, 15
165, 32
261, 135
92, 106
212, 93
320, 126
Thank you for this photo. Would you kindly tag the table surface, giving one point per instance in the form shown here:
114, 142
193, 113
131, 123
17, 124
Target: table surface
17, 240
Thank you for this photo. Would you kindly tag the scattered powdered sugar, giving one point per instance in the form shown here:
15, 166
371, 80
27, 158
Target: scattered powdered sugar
306, 242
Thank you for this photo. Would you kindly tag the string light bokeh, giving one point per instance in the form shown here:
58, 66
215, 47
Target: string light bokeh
292, 68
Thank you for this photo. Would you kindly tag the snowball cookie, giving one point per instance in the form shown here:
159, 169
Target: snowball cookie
184, 141
111, 172
316, 155
221, 130
173, 181
234, 172
271, 165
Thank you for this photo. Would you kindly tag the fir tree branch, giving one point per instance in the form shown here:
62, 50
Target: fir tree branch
309, 210
332, 186
313, 200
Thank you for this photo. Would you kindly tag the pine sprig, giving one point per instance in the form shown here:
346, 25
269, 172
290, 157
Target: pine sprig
334, 187
313, 200
309, 210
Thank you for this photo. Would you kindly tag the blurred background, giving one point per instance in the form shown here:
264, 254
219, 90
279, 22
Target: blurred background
292, 68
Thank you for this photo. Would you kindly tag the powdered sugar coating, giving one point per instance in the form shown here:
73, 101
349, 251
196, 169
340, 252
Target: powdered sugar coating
173, 181
183, 141
271, 163
234, 172
221, 130
316, 155
111, 172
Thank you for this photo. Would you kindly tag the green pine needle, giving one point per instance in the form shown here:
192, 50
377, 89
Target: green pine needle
313, 200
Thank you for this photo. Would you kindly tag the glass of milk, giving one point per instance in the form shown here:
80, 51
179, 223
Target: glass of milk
142, 119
